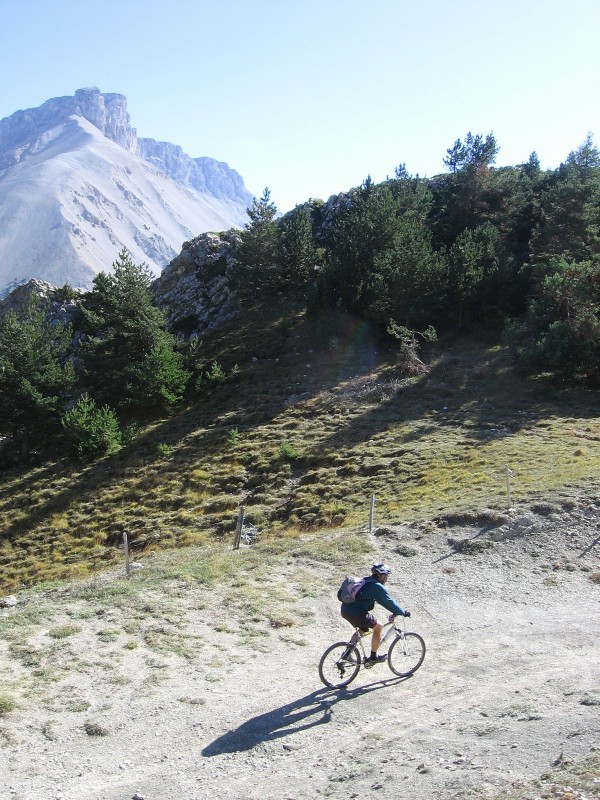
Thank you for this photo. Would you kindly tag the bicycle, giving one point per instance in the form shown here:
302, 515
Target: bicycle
340, 663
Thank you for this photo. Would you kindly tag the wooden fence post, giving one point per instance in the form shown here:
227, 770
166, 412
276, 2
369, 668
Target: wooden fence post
126, 548
509, 472
372, 513
238, 529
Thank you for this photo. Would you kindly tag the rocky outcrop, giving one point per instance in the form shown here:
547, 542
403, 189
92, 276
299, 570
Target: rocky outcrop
62, 305
195, 289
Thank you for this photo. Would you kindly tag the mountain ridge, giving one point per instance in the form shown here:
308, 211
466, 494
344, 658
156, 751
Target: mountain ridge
77, 185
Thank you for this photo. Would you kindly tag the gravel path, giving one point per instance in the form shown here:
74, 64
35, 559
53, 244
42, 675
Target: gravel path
510, 685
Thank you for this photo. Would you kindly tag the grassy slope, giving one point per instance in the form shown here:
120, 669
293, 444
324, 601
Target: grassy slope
322, 419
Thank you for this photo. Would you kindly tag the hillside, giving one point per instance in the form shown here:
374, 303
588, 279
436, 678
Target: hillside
306, 422
197, 674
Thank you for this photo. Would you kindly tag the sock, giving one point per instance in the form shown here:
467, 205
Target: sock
373, 653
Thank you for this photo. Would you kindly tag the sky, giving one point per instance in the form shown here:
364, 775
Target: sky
310, 97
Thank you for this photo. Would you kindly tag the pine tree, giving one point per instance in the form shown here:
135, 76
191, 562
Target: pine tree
36, 375
129, 357
257, 252
297, 253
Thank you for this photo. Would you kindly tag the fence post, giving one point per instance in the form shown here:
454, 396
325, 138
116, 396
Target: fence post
372, 513
509, 472
238, 529
126, 548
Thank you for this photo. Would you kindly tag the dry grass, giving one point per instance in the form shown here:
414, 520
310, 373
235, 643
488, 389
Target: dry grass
323, 420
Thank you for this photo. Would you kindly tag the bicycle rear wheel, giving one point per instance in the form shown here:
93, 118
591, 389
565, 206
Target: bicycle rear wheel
406, 654
339, 665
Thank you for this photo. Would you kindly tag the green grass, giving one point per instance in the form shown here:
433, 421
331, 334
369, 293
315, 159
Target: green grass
303, 449
63, 631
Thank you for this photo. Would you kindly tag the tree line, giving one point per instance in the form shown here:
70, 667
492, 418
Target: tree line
513, 249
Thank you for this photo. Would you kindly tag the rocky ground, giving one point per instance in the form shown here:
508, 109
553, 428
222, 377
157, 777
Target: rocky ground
507, 700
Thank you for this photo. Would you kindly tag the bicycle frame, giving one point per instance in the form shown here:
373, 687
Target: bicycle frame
395, 629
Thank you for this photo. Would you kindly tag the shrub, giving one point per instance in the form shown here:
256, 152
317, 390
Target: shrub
7, 703
63, 631
216, 373
91, 431
163, 450
234, 437
93, 728
288, 451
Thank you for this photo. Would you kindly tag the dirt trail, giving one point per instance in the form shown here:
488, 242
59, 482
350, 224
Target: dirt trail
510, 684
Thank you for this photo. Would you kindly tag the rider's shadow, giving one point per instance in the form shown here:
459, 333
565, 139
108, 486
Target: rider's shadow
309, 711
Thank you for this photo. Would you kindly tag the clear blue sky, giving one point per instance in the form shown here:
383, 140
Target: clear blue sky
308, 97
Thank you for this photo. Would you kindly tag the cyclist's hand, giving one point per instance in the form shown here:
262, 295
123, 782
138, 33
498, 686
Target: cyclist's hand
391, 617
407, 613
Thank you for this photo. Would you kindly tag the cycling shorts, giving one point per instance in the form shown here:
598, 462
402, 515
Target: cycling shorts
364, 620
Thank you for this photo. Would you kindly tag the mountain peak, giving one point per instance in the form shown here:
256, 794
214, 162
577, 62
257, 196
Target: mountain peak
77, 185
107, 112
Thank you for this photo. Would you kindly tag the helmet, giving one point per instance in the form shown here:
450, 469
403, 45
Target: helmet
381, 569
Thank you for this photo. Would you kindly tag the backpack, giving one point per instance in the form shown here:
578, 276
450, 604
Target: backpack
350, 587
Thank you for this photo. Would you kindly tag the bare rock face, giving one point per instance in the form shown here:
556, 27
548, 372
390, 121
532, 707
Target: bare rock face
202, 174
195, 289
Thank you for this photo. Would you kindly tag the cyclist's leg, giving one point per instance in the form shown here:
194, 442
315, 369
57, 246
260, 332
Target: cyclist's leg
376, 638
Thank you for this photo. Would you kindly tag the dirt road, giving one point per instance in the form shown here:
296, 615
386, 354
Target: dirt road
509, 690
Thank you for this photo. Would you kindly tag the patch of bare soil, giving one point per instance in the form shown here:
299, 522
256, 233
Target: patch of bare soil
509, 692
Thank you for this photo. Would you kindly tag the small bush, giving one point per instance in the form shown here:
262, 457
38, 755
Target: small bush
287, 451
234, 437
66, 293
7, 703
91, 432
94, 728
63, 631
163, 450
216, 373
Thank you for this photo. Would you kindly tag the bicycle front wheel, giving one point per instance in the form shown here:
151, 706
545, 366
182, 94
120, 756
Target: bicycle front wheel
406, 654
339, 665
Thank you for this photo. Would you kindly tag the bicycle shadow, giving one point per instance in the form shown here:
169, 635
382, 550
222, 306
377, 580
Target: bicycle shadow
306, 712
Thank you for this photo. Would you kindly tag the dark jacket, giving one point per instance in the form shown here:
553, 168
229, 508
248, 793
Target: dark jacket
371, 593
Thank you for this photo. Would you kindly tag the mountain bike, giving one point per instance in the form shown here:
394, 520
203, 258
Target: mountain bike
340, 663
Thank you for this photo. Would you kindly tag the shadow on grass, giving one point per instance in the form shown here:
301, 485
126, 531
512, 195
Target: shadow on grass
260, 391
284, 362
310, 711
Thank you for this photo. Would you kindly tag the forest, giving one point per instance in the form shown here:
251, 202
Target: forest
510, 251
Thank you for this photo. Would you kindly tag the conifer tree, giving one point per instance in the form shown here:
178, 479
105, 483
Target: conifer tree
36, 375
257, 252
129, 357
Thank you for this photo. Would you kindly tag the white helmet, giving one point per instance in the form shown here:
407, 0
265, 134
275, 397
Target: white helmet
381, 569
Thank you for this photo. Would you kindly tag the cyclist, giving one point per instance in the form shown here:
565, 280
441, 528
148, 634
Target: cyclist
358, 613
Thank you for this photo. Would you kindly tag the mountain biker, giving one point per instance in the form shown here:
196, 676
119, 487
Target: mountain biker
358, 613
